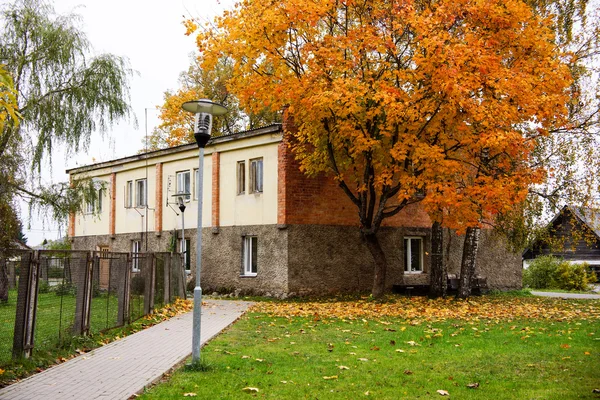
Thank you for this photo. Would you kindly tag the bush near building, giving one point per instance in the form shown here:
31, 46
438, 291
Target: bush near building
547, 272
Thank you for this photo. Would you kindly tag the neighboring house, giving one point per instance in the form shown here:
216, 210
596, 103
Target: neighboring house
574, 235
19, 245
267, 228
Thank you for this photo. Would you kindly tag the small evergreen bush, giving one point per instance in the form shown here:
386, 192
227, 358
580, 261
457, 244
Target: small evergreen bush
65, 289
43, 287
541, 273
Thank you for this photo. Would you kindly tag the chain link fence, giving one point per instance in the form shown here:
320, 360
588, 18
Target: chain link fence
10, 262
53, 296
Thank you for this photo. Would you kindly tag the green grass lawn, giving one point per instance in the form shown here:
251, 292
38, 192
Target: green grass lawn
392, 358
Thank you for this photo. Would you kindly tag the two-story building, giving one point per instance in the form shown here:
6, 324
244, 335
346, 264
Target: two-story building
267, 228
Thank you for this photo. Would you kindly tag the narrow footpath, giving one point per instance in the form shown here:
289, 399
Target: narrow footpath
125, 367
566, 295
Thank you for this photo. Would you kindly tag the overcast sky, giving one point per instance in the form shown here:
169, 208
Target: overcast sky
150, 34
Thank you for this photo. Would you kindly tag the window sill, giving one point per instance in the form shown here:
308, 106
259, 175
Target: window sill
248, 276
413, 272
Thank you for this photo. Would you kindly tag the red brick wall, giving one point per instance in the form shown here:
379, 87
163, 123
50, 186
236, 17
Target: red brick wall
319, 200
216, 175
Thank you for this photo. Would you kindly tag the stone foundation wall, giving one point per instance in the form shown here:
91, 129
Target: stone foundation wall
222, 268
316, 259
332, 259
502, 268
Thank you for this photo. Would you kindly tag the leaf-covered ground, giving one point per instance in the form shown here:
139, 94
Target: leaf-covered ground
485, 348
419, 309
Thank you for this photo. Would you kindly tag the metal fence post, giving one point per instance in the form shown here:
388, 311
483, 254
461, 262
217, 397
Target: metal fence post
24, 333
149, 286
83, 300
166, 278
124, 293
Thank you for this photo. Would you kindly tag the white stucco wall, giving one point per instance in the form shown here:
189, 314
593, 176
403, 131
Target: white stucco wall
235, 210
90, 224
249, 208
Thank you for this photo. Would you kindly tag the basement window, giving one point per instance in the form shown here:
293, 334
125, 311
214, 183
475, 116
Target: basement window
250, 255
413, 255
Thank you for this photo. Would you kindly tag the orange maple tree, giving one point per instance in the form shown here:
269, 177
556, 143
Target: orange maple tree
397, 97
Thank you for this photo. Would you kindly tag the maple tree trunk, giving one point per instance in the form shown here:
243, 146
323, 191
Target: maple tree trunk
438, 282
469, 259
380, 265
3, 282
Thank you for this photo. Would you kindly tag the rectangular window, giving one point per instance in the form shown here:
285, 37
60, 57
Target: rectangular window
141, 194
256, 175
241, 177
183, 183
250, 255
89, 207
129, 194
136, 247
100, 196
184, 249
413, 254
196, 184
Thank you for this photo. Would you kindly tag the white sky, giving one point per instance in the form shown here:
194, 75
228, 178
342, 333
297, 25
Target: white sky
151, 35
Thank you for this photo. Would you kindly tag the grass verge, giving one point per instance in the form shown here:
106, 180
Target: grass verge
487, 348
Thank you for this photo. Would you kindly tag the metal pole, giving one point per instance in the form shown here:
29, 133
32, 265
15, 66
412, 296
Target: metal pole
183, 246
198, 289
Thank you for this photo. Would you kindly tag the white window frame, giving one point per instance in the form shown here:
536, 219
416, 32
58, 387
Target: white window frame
141, 196
256, 175
250, 252
129, 194
196, 183
89, 207
180, 177
408, 254
136, 246
100, 196
241, 177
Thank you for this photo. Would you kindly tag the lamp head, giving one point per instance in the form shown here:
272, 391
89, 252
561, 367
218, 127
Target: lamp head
204, 110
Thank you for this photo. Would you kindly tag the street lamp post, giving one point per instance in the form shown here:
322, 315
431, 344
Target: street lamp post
181, 201
204, 110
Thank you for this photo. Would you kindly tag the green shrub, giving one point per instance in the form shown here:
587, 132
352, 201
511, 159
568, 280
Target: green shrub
573, 276
65, 289
541, 273
547, 272
43, 287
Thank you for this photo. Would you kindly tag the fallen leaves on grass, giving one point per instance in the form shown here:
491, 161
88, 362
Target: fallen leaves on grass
179, 306
473, 385
250, 390
443, 392
329, 378
190, 394
417, 309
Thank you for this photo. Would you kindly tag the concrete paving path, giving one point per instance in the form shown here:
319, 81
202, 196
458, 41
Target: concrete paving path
566, 295
125, 367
